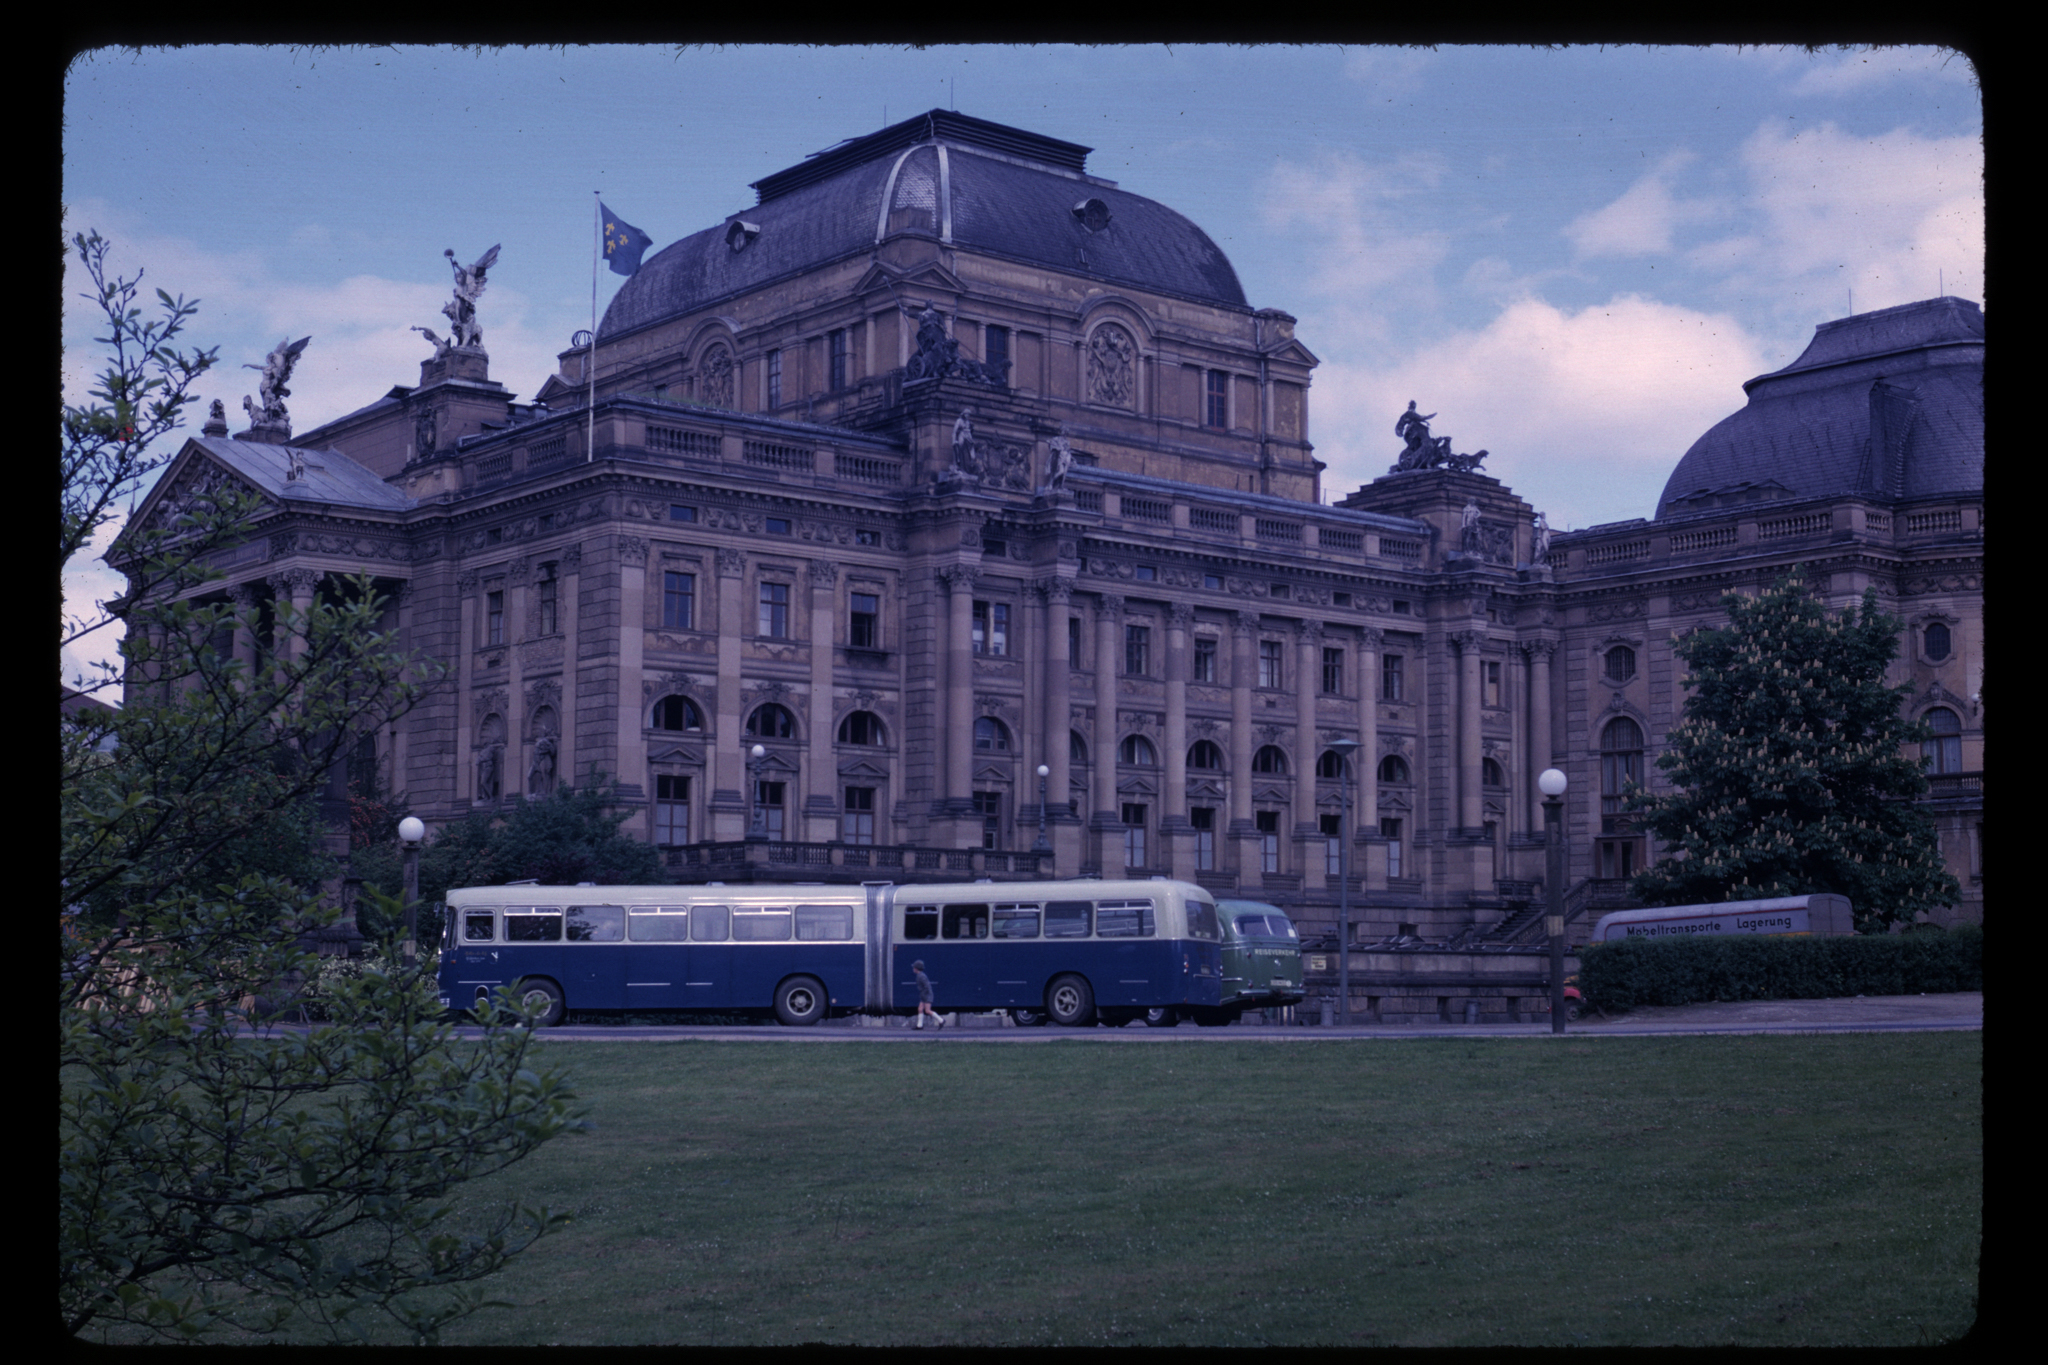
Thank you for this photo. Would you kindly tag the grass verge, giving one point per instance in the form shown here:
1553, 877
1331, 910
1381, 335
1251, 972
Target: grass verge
1694, 1191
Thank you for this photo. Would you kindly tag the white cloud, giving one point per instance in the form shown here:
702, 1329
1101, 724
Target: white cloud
1641, 221
1891, 217
1363, 249
1392, 72
1843, 73
1585, 413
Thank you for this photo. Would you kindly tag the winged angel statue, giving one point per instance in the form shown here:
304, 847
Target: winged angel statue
461, 310
276, 368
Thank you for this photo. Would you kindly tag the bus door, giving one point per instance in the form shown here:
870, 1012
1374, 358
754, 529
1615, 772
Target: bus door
657, 957
594, 956
1017, 979
1134, 966
966, 968
709, 980
918, 942
474, 961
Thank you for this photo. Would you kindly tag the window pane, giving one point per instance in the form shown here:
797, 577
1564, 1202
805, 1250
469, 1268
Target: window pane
476, 926
819, 922
1124, 919
1016, 921
1067, 919
771, 927
533, 926
710, 924
650, 928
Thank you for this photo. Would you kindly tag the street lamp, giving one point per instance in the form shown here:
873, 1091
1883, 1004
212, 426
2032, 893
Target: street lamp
1344, 749
410, 832
1042, 846
755, 755
1552, 784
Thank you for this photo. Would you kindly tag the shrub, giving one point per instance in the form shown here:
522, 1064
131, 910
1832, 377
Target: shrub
1763, 967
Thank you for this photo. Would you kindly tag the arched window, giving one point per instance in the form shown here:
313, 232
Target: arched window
1393, 768
677, 713
1136, 752
1621, 762
1269, 760
861, 727
989, 734
1937, 642
772, 721
1077, 747
1205, 756
1330, 767
1944, 752
1621, 664
1491, 774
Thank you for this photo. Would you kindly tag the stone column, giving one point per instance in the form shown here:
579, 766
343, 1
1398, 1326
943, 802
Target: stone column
727, 768
570, 590
959, 693
403, 600
821, 776
1244, 633
1540, 757
1307, 748
301, 583
631, 698
1106, 822
1468, 643
244, 598
1365, 794
1174, 830
1058, 693
466, 587
517, 575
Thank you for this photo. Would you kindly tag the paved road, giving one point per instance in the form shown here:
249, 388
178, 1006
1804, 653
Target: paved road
1876, 1014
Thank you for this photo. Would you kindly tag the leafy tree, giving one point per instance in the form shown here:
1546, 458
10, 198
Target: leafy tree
213, 1173
1793, 767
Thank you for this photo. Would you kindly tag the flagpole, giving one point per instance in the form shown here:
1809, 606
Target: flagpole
590, 359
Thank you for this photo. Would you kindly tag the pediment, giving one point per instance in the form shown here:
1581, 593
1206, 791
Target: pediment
1273, 791
994, 772
864, 767
930, 275
1137, 786
1297, 354
1211, 789
675, 753
193, 482
1389, 802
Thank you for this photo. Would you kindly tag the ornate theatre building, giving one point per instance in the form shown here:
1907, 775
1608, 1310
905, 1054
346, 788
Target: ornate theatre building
951, 512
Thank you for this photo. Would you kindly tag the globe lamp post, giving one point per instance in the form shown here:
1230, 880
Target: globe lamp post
1042, 846
411, 832
1552, 784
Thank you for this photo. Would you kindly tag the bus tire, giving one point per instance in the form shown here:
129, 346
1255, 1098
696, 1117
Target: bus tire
800, 1001
543, 999
1164, 1017
1070, 1001
1023, 1018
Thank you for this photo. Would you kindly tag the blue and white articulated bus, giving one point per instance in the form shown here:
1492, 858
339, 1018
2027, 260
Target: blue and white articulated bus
1073, 953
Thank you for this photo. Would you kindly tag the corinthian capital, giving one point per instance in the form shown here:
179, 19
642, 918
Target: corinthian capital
1468, 641
823, 573
1056, 589
1109, 604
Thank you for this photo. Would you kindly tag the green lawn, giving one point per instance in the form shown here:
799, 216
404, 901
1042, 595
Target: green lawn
1697, 1191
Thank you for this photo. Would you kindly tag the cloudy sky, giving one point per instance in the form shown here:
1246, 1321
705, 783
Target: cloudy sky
1574, 256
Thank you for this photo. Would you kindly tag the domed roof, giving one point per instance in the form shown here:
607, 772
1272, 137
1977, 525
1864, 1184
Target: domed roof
1887, 404
975, 185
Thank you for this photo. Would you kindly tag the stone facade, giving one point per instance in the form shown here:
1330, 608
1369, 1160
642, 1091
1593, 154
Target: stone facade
815, 508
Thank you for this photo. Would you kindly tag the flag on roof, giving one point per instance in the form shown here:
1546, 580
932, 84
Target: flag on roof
623, 242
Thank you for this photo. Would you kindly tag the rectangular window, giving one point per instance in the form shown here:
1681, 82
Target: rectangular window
1212, 581
1391, 674
1205, 659
1333, 844
1203, 818
678, 512
774, 380
1268, 823
864, 622
964, 921
1074, 641
824, 922
1269, 663
1390, 830
989, 806
1216, 410
857, 825
671, 810
1490, 673
679, 601
769, 796
1137, 650
1333, 672
1134, 836
774, 611
1068, 919
1126, 919
777, 526
1016, 921
548, 589
835, 350
996, 351
991, 627
494, 618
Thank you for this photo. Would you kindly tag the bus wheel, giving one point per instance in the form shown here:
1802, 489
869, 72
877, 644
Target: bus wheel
1069, 1001
543, 999
799, 1000
1162, 1018
1028, 1018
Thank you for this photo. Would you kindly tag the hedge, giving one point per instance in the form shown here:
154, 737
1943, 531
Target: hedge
1765, 967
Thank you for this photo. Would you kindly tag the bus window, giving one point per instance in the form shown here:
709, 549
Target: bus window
1067, 919
710, 923
1264, 926
768, 926
665, 925
1016, 921
597, 923
921, 921
1202, 920
966, 921
528, 925
476, 926
814, 922
1123, 919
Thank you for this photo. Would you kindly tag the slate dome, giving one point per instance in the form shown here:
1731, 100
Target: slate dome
971, 184
1887, 405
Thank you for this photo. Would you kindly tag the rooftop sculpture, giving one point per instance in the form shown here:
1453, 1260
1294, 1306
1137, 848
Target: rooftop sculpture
1424, 451
465, 333
276, 368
